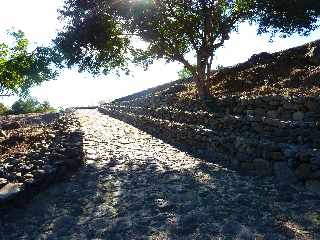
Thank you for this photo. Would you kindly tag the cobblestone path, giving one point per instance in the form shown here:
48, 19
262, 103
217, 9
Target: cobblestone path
134, 186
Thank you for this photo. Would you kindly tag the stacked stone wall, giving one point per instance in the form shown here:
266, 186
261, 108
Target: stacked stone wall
51, 158
247, 129
288, 150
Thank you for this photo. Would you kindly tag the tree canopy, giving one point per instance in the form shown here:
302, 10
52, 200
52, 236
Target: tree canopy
100, 35
287, 17
21, 69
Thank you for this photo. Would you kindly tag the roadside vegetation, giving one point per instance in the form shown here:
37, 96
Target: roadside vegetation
26, 105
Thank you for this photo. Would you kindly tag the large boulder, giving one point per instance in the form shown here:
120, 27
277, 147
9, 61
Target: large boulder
9, 191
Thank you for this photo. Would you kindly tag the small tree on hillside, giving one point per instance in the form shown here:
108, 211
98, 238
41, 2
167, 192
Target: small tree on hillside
184, 73
21, 69
100, 34
3, 109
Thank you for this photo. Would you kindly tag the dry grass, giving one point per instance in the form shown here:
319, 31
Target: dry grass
284, 76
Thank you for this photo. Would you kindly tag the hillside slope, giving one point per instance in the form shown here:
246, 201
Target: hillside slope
289, 74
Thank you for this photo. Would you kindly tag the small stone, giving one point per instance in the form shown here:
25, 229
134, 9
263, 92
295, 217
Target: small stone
289, 106
304, 157
304, 171
51, 135
259, 237
250, 112
71, 162
246, 167
311, 106
65, 222
122, 224
237, 230
315, 175
3, 134
234, 163
188, 223
283, 173
57, 156
298, 116
293, 163
290, 152
3, 182
29, 181
262, 167
39, 173
313, 186
28, 175
9, 191
260, 112
277, 156
72, 152
315, 161
18, 174
273, 103
272, 114
162, 204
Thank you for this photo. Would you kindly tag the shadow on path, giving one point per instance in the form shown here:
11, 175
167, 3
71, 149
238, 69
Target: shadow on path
141, 188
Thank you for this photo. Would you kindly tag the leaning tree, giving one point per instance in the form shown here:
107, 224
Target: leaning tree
101, 35
21, 69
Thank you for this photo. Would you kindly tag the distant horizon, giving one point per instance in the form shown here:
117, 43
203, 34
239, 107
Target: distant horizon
89, 90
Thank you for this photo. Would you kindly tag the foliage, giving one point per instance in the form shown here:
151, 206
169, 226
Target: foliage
219, 67
30, 105
184, 73
3, 109
20, 69
287, 17
101, 35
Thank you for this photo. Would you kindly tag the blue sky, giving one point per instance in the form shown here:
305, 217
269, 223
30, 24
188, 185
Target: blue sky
38, 19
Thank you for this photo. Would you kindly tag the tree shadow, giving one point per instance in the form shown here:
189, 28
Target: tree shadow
177, 196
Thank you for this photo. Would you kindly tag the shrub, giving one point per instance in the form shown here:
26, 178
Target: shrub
3, 109
184, 73
30, 105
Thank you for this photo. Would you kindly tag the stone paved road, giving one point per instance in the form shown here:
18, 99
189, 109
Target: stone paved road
134, 186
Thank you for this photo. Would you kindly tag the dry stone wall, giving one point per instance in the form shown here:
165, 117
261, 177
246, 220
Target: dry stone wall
49, 161
299, 108
266, 146
277, 107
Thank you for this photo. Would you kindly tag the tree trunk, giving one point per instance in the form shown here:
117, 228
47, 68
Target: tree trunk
200, 79
203, 90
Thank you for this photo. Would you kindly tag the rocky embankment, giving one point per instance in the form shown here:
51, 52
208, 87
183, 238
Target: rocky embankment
265, 119
35, 151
